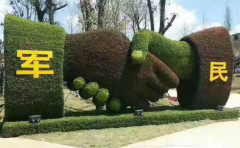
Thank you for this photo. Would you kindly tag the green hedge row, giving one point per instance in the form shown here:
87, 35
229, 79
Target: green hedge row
25, 95
14, 129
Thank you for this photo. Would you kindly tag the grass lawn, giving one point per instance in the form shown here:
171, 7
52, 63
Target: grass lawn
236, 84
114, 138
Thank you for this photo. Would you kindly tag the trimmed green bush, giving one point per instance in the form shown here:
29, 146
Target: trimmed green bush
25, 95
114, 105
14, 129
79, 83
101, 98
178, 56
90, 90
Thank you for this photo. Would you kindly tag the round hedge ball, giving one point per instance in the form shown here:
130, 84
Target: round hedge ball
90, 90
101, 98
79, 83
114, 105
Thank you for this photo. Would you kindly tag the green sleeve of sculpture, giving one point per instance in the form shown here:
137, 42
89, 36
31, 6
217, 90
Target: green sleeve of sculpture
177, 55
140, 45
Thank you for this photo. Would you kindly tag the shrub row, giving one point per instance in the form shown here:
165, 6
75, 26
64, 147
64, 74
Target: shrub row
14, 129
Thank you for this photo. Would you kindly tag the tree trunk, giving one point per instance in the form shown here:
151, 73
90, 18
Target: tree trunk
151, 14
50, 6
162, 16
40, 13
101, 12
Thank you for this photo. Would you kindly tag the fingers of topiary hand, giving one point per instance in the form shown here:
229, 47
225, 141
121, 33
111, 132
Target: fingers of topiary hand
150, 94
101, 98
164, 73
114, 105
138, 57
79, 83
89, 90
155, 84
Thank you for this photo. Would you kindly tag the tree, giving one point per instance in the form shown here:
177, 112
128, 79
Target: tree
37, 9
163, 27
101, 6
73, 27
47, 6
88, 15
115, 16
151, 13
186, 30
102, 14
136, 10
53, 6
24, 9
228, 18
1, 46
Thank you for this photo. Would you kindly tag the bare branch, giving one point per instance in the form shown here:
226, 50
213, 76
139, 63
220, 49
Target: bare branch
169, 24
60, 7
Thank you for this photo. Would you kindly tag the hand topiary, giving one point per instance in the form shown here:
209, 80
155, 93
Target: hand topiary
90, 90
178, 56
79, 83
103, 56
190, 60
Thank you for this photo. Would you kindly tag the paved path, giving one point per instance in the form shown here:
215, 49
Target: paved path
27, 143
218, 135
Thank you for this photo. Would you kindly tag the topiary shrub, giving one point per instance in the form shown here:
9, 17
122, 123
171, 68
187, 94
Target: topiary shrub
114, 105
14, 129
24, 94
101, 98
79, 83
90, 90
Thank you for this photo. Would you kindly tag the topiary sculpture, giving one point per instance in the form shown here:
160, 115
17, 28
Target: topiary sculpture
102, 56
190, 60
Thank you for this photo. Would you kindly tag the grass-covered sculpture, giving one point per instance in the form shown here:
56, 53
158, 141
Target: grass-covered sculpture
103, 56
24, 94
106, 66
190, 59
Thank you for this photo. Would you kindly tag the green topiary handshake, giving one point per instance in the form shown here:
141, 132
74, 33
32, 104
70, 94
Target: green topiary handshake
145, 70
103, 56
132, 73
177, 55
190, 60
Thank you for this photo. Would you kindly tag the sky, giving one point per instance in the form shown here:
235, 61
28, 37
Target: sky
189, 13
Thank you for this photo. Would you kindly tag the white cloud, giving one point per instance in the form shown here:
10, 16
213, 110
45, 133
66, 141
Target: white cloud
235, 30
4, 9
184, 17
